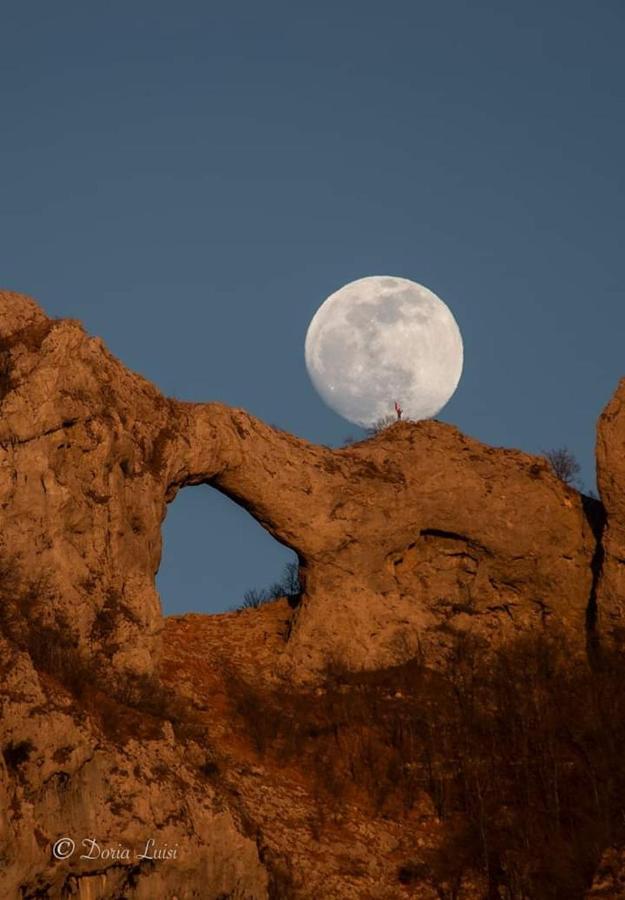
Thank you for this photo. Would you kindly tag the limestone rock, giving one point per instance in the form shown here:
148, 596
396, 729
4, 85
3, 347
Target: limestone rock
403, 540
611, 483
62, 779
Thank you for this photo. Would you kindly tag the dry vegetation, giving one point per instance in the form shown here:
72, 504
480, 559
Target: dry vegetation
522, 751
288, 586
564, 465
523, 756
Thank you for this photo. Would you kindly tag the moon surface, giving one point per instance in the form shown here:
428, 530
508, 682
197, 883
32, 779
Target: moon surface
381, 340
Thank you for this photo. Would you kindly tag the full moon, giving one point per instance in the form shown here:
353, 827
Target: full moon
384, 340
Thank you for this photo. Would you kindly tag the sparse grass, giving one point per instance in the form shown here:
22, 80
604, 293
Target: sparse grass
381, 425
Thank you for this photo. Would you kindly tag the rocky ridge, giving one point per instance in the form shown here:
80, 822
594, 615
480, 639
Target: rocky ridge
406, 541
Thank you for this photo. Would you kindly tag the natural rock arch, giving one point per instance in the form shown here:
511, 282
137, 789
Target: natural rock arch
217, 558
404, 540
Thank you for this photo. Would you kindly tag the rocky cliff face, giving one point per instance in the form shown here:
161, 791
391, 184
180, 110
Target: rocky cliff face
611, 482
402, 539
405, 542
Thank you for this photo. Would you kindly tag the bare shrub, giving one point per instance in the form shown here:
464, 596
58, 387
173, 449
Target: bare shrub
381, 425
254, 598
288, 586
290, 582
564, 465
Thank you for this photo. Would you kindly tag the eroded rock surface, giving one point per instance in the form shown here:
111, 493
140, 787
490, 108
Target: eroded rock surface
611, 482
405, 541
402, 539
111, 787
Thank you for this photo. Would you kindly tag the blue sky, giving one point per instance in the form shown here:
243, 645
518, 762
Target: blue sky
192, 180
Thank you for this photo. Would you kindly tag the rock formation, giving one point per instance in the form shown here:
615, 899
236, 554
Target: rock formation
405, 541
611, 482
401, 539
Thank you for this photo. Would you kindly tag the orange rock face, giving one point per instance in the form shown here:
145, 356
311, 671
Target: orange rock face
611, 482
405, 541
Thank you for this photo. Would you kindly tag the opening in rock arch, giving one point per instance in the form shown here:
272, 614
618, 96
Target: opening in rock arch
213, 552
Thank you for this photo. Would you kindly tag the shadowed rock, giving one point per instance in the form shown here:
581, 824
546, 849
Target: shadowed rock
611, 482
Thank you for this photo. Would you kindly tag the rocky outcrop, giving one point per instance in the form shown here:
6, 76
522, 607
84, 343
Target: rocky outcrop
406, 541
93, 804
611, 482
80, 513
403, 540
